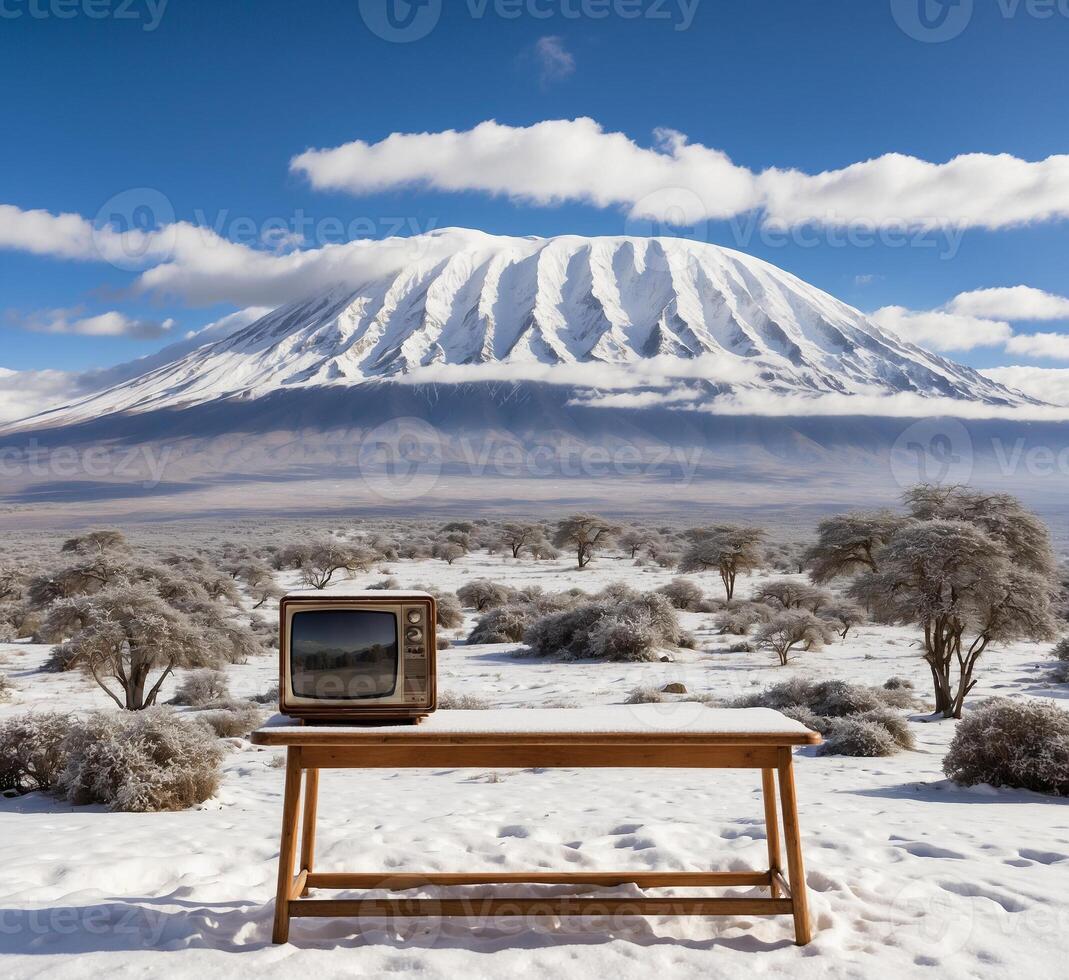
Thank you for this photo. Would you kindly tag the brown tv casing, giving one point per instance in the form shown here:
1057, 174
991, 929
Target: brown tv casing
416, 688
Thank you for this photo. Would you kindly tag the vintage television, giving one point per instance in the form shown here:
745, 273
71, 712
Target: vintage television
357, 657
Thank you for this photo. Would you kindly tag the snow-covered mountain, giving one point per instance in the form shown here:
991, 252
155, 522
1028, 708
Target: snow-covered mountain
522, 308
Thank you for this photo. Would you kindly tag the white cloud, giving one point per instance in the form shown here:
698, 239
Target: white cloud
576, 160
554, 61
1047, 384
1012, 303
1053, 346
110, 324
25, 393
942, 331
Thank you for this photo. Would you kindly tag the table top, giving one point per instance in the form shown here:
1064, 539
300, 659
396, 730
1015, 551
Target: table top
686, 722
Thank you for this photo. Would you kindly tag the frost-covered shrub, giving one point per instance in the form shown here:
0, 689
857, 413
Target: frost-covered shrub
386, 583
7, 689
898, 684
33, 750
483, 594
449, 615
141, 761
232, 719
1008, 742
645, 695
1061, 649
739, 618
857, 737
448, 701
442, 642
202, 687
823, 705
800, 712
683, 594
741, 647
270, 696
897, 726
619, 624
508, 623
8, 632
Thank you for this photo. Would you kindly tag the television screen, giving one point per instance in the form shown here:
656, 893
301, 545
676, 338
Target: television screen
343, 653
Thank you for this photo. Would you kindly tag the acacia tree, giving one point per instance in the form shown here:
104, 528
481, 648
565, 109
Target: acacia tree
634, 539
965, 590
583, 533
729, 548
96, 543
850, 543
321, 561
128, 634
793, 629
519, 536
789, 594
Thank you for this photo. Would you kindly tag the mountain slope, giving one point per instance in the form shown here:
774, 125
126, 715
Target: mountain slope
509, 306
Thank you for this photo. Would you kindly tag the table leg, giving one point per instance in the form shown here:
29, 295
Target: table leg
768, 791
795, 865
308, 821
288, 844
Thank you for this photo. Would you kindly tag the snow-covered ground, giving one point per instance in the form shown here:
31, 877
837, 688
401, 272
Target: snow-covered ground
906, 871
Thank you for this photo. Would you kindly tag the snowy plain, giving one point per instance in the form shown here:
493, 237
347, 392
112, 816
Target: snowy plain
909, 875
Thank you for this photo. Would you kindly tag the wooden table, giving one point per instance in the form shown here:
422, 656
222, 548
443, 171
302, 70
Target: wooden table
640, 736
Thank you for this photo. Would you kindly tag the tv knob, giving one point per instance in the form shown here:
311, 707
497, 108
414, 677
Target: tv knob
414, 634
414, 616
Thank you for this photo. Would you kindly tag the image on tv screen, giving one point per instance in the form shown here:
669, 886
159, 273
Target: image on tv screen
342, 654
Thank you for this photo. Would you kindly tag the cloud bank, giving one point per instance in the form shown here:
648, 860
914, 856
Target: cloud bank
577, 160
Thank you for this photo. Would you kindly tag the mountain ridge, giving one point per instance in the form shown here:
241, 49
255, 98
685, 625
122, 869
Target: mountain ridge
465, 302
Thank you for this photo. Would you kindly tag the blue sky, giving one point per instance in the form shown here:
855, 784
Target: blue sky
206, 104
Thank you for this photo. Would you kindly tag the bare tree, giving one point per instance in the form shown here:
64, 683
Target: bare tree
584, 533
729, 548
96, 543
324, 559
791, 630
634, 539
843, 614
965, 591
519, 536
448, 551
129, 634
850, 543
789, 594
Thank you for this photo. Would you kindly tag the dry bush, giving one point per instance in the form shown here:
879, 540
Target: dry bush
141, 761
483, 594
32, 751
8, 633
386, 583
795, 630
683, 594
619, 624
1008, 742
270, 696
739, 618
7, 689
898, 684
645, 695
202, 687
448, 701
822, 705
857, 737
232, 719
